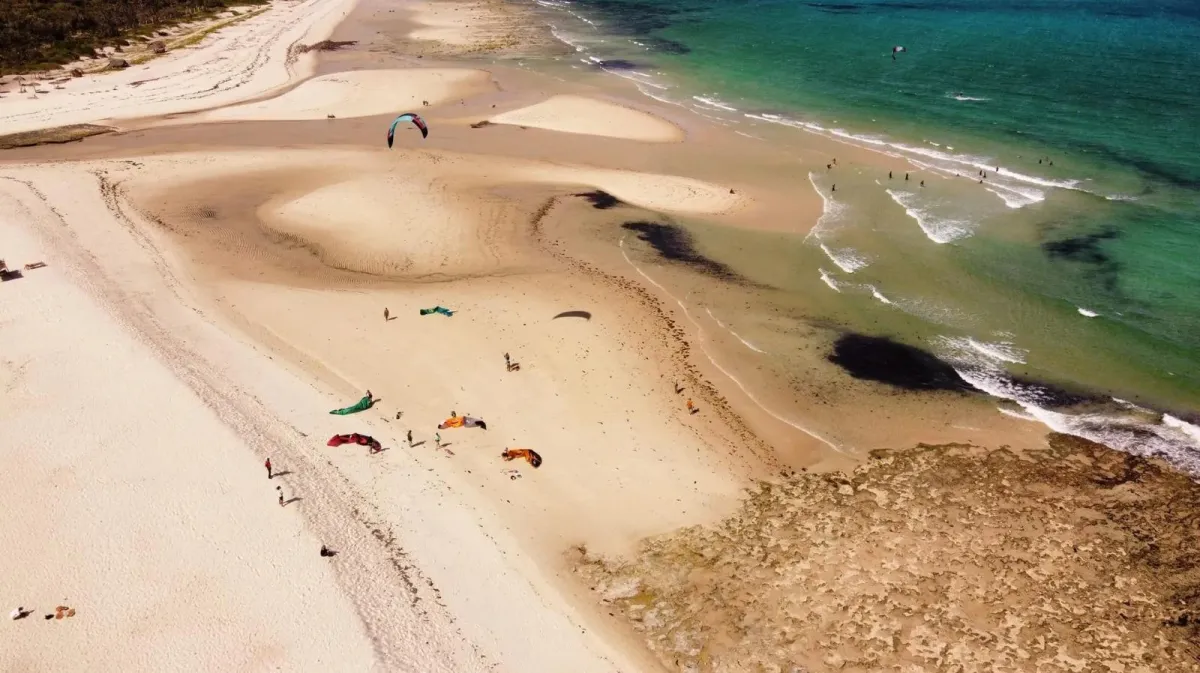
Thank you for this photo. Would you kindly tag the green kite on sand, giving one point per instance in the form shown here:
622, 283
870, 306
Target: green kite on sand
363, 404
437, 309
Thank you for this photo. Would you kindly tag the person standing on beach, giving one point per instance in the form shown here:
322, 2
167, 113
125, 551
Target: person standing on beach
690, 406
507, 362
437, 439
906, 177
410, 439
889, 175
385, 314
270, 473
280, 489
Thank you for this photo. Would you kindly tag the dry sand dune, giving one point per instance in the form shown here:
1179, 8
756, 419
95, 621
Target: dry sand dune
590, 116
360, 93
647, 190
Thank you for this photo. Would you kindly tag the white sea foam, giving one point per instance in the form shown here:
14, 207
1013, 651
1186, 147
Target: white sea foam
1002, 351
1183, 426
829, 281
1130, 405
847, 259
737, 336
963, 98
937, 229
1015, 197
830, 211
1086, 313
714, 103
879, 295
1174, 439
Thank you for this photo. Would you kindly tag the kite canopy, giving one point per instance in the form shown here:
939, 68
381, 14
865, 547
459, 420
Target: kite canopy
462, 422
528, 454
362, 405
898, 48
355, 438
437, 309
407, 117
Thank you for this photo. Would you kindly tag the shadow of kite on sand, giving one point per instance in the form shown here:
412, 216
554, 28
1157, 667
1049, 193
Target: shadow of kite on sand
573, 314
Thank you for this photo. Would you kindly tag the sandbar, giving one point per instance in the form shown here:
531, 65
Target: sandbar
591, 116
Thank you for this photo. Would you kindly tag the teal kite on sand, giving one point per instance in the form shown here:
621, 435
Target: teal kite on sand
437, 309
363, 404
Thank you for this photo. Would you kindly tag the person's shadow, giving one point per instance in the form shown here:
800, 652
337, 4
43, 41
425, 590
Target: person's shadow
294, 498
284, 473
23, 614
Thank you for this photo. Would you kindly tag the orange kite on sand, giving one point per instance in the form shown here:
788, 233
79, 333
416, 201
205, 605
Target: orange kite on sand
530, 455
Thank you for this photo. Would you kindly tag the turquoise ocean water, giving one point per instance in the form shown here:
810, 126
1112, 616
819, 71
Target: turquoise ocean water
1078, 259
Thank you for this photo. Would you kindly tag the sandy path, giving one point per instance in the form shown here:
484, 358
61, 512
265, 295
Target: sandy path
245, 60
590, 116
430, 582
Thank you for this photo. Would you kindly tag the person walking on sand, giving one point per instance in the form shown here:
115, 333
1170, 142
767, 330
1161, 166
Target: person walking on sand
507, 362
385, 314
690, 406
270, 472
410, 439
437, 439
280, 489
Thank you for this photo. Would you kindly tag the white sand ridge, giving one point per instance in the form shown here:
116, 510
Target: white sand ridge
590, 116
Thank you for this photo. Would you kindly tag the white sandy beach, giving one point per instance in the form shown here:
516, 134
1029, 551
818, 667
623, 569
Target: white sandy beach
135, 459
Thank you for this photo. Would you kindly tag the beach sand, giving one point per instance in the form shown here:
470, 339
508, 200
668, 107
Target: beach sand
361, 93
576, 114
225, 275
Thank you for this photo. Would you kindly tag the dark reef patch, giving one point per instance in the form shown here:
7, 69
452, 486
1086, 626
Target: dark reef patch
883, 360
1089, 249
616, 64
1085, 249
600, 199
675, 244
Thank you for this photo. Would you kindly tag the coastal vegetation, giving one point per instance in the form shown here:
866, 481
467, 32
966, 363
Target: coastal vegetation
40, 34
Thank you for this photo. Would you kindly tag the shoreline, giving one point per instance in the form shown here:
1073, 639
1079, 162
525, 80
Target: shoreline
265, 248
